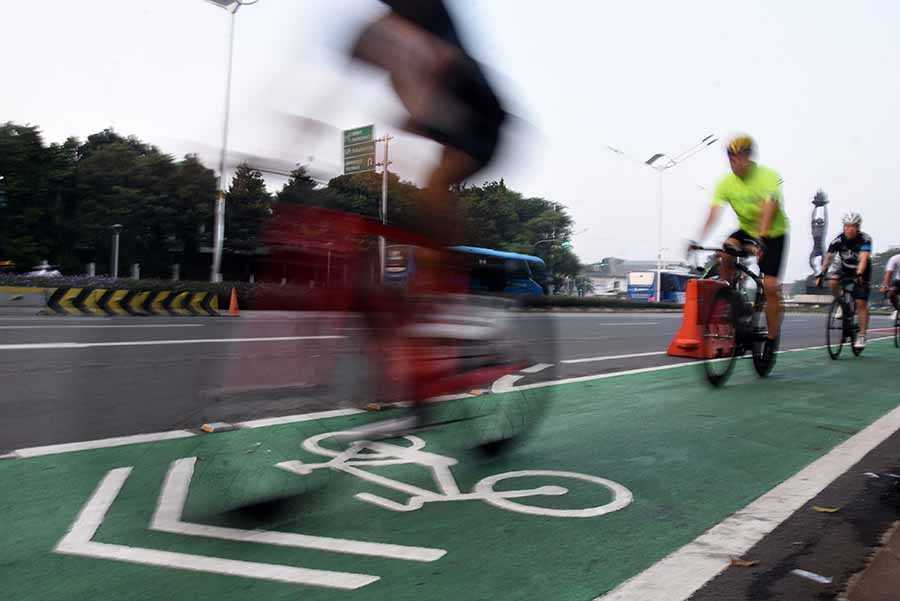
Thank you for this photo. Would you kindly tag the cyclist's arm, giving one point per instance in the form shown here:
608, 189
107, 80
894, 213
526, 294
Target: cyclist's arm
711, 218
770, 207
863, 262
886, 280
826, 261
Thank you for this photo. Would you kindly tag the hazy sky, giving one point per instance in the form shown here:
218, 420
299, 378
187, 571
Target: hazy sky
815, 82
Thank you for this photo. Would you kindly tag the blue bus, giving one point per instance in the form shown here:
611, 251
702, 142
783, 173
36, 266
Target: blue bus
490, 271
642, 285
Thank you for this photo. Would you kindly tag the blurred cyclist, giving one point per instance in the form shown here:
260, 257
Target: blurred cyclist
446, 94
890, 285
754, 194
852, 248
448, 100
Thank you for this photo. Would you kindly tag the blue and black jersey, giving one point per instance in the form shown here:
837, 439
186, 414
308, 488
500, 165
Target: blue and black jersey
847, 251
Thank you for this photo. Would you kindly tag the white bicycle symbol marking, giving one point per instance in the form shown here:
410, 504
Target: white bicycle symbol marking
365, 454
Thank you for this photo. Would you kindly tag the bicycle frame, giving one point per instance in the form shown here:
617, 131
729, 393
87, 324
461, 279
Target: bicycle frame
741, 270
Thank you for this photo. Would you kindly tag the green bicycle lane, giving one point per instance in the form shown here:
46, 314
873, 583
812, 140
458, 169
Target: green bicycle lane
689, 455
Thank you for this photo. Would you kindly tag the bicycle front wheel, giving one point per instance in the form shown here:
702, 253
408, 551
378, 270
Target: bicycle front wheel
720, 337
834, 331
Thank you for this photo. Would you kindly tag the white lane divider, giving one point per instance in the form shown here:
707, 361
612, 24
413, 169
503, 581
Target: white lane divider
683, 572
507, 382
104, 326
77, 345
612, 357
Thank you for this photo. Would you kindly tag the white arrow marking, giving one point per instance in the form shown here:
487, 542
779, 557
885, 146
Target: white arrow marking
170, 508
78, 542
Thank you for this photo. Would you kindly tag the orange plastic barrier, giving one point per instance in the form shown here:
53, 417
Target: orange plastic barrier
688, 341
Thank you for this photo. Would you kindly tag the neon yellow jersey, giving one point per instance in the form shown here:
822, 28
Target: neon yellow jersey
746, 197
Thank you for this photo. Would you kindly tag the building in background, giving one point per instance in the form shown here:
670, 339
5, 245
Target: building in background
609, 276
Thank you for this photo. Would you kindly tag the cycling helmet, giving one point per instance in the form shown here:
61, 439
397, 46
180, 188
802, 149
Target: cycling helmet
852, 218
742, 144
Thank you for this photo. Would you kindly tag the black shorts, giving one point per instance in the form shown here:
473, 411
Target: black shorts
772, 261
860, 291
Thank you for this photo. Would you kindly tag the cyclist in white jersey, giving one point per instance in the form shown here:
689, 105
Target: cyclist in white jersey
890, 284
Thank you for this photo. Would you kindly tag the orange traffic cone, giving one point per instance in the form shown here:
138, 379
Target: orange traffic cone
688, 341
233, 304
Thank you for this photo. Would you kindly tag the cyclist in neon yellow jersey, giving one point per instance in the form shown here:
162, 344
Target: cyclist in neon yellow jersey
754, 194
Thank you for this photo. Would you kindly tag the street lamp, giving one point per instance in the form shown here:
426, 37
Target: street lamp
546, 240
661, 162
114, 268
232, 7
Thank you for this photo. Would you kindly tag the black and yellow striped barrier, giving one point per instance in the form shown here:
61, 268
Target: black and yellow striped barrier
109, 301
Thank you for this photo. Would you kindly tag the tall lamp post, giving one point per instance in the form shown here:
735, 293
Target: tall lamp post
232, 7
661, 162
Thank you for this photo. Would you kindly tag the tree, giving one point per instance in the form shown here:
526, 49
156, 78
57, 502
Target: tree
247, 205
583, 285
300, 188
193, 195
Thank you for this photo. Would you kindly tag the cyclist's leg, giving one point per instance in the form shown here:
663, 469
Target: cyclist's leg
861, 294
774, 305
892, 295
835, 286
770, 266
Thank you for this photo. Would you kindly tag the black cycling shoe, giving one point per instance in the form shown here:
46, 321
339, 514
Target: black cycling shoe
770, 349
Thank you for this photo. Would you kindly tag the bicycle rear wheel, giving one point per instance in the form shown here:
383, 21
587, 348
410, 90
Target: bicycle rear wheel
834, 331
501, 403
720, 337
897, 331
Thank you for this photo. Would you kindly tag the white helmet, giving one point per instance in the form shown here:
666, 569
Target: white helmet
852, 218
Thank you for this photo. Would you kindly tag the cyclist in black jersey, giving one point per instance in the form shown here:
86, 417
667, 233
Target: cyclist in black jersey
852, 250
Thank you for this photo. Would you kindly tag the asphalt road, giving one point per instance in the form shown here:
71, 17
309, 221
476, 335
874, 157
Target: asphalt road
78, 379
72, 379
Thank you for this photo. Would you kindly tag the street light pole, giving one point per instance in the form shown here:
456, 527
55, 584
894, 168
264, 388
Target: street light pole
660, 167
382, 248
232, 7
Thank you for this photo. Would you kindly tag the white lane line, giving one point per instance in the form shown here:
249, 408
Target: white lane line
292, 419
170, 508
93, 327
74, 345
536, 368
642, 370
611, 357
78, 541
678, 576
119, 441
103, 443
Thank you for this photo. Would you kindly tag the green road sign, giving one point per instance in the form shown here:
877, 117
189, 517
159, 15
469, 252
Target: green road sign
357, 135
359, 164
359, 149
624, 471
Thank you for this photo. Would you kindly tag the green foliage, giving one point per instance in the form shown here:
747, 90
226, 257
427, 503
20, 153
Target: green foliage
247, 205
60, 200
